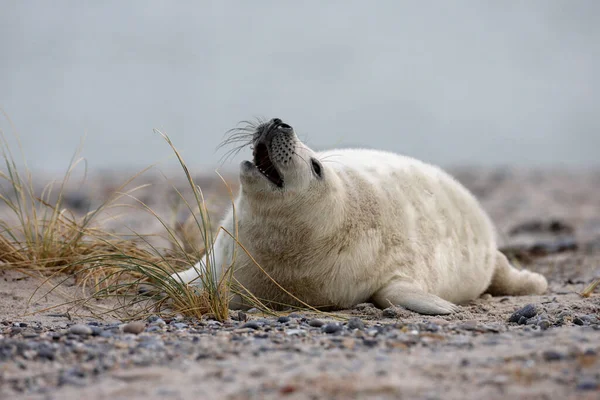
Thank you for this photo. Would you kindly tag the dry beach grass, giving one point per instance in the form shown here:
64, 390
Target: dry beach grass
39, 234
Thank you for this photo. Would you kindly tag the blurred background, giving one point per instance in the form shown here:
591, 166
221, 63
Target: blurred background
455, 83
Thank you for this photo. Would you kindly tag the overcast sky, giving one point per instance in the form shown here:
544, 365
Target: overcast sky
451, 82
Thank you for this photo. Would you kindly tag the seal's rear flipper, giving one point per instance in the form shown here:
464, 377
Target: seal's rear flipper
509, 281
408, 295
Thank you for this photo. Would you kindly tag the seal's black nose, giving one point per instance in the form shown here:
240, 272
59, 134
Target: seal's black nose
279, 124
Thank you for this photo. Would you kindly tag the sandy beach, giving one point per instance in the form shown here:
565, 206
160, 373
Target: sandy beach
533, 347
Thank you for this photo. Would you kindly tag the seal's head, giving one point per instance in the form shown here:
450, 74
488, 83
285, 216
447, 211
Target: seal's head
281, 164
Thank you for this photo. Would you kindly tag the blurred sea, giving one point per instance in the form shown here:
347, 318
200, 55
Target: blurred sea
454, 83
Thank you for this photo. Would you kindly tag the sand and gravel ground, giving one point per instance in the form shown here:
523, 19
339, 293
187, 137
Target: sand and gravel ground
549, 219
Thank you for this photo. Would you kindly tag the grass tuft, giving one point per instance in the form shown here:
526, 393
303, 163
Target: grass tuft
587, 292
40, 234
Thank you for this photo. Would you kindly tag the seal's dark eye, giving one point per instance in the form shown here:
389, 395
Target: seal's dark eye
316, 167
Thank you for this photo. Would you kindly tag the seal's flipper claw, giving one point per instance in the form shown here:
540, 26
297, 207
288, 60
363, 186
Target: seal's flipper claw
410, 296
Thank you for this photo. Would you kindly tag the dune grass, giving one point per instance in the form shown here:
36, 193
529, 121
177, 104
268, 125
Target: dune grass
39, 234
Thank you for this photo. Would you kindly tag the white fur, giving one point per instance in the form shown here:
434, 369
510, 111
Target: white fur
376, 227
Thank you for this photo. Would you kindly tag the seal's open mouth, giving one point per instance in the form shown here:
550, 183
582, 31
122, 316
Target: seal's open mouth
265, 166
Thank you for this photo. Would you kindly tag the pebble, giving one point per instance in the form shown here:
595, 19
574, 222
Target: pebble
529, 311
390, 312
241, 316
295, 332
135, 327
356, 323
158, 322
283, 320
15, 330
553, 355
46, 353
251, 325
431, 327
107, 333
316, 323
588, 384
79, 329
331, 328
544, 324
153, 318
96, 330
179, 325
578, 321
469, 325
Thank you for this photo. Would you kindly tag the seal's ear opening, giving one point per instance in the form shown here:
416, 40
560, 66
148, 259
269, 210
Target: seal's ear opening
316, 166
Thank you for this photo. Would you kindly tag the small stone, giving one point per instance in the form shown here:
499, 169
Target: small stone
96, 330
251, 325
578, 321
46, 353
179, 325
431, 327
153, 328
469, 325
587, 384
294, 315
390, 312
81, 330
241, 316
283, 320
529, 311
553, 355
253, 310
331, 328
316, 323
522, 320
152, 318
590, 352
158, 322
15, 330
135, 327
356, 323
107, 333
544, 324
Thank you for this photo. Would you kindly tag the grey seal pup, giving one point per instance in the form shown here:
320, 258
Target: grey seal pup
342, 227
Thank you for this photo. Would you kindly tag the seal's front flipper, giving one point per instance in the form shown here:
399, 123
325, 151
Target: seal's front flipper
192, 275
410, 296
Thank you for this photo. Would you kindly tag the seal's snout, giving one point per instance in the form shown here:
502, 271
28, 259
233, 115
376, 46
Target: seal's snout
275, 127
